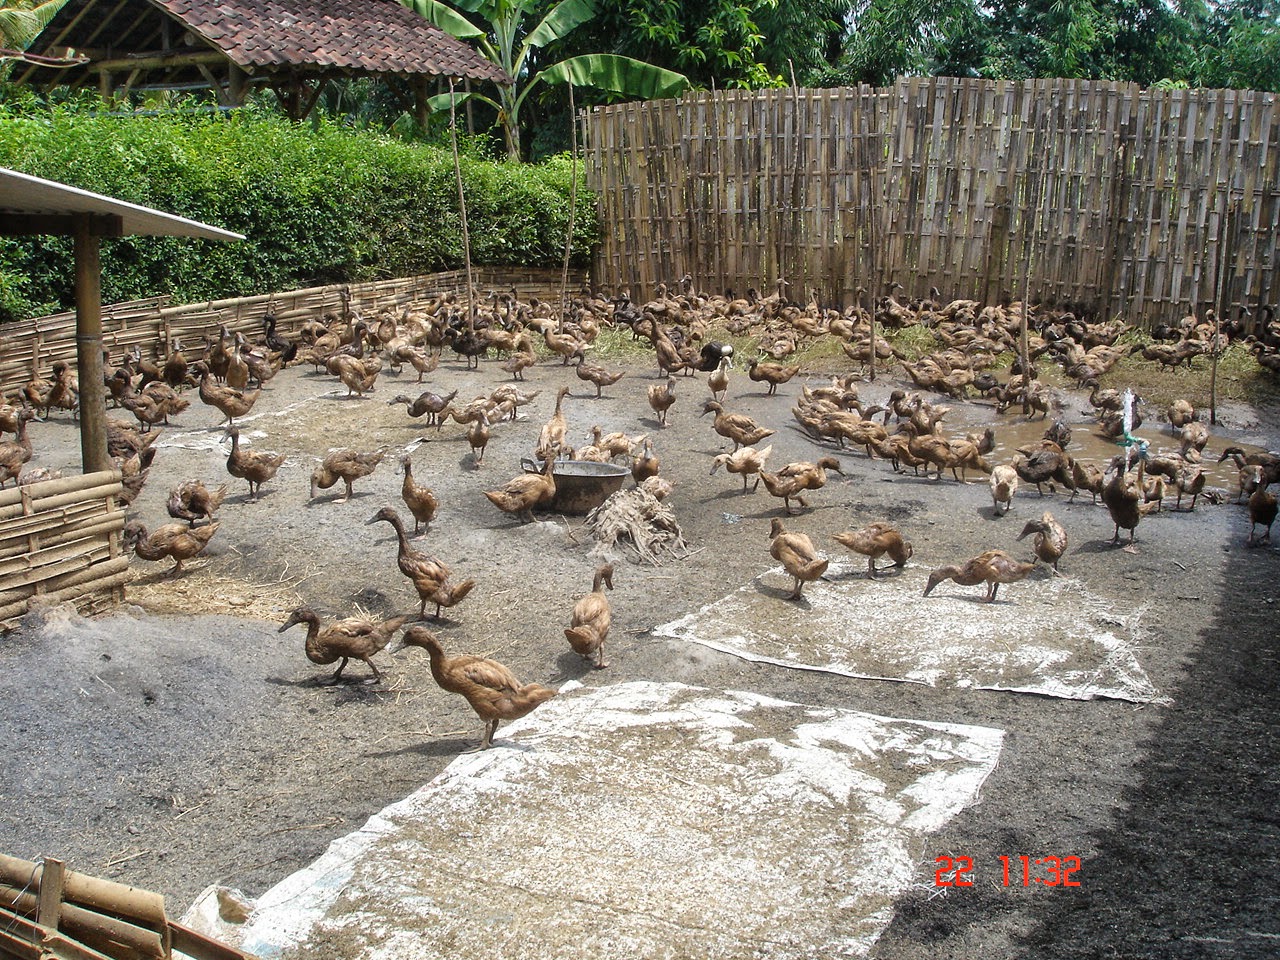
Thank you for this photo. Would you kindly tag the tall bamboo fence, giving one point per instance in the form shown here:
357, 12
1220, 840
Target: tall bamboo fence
1120, 200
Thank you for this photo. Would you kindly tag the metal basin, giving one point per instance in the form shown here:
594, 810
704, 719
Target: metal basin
581, 485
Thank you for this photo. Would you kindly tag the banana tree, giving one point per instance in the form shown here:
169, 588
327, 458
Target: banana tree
504, 40
22, 20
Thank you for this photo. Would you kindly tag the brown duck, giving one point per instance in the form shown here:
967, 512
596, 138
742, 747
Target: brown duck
1050, 542
796, 553
357, 638
993, 568
346, 465
794, 478
738, 427
176, 540
492, 690
256, 466
773, 374
875, 541
523, 493
589, 624
429, 576
420, 499
192, 501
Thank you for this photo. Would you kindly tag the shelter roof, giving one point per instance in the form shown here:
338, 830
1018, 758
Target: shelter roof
33, 205
308, 37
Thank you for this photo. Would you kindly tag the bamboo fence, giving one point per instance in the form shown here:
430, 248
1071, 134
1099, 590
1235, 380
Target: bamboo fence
1115, 199
60, 540
47, 911
154, 324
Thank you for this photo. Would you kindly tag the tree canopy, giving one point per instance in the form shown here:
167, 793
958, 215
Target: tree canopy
751, 43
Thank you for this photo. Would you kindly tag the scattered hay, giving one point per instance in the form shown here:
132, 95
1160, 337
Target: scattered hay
641, 518
203, 589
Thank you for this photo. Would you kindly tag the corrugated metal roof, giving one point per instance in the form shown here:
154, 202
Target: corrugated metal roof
26, 195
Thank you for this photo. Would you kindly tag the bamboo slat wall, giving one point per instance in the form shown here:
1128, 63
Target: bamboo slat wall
1122, 200
153, 324
48, 912
60, 540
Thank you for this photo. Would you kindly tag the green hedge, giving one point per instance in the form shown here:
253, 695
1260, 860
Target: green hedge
318, 205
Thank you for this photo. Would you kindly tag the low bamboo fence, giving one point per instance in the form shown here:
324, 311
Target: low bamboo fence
1126, 201
154, 324
60, 540
50, 913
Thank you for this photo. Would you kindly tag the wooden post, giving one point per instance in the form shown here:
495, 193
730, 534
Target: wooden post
873, 207
573, 199
93, 401
49, 902
1223, 302
462, 208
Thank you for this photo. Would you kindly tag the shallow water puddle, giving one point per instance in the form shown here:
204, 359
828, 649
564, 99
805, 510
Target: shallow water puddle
1043, 635
642, 820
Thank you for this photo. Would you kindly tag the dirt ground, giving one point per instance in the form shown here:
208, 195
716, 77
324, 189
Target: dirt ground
172, 750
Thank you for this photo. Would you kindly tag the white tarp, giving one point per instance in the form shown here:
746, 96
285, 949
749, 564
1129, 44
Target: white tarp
1043, 635
642, 820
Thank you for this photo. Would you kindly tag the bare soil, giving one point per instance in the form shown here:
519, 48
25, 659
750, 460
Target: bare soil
184, 745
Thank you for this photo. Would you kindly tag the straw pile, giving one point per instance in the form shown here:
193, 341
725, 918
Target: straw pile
638, 516
205, 589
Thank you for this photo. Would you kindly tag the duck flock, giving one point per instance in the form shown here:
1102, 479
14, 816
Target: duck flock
692, 336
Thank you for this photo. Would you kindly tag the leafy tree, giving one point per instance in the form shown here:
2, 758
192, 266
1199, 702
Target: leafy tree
888, 38
22, 20
1239, 46
508, 41
807, 37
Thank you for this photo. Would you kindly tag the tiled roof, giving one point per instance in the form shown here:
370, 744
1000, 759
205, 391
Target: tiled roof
379, 36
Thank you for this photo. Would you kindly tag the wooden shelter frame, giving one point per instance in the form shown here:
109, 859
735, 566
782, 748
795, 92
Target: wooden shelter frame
31, 205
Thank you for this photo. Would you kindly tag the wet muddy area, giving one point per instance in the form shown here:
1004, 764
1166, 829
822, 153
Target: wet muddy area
183, 745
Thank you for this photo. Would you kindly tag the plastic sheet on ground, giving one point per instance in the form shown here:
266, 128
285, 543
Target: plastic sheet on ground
1045, 635
641, 820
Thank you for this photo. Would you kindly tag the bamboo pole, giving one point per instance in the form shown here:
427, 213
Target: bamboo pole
106, 896
75, 592
87, 924
573, 199
109, 489
200, 947
98, 526
45, 564
46, 488
93, 403
23, 938
462, 209
20, 527
872, 207
1222, 302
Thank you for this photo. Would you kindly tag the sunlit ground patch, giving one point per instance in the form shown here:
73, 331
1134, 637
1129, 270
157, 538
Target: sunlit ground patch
643, 820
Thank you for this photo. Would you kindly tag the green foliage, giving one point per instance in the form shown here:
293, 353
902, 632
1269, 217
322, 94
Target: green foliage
1240, 46
22, 20
509, 41
316, 205
716, 42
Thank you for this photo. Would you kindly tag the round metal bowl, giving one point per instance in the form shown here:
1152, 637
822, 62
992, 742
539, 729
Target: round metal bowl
581, 485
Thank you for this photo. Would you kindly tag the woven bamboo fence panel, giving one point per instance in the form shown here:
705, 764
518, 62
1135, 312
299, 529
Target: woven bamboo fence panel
1123, 201
60, 540
154, 324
